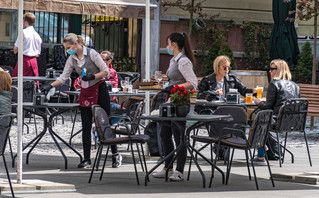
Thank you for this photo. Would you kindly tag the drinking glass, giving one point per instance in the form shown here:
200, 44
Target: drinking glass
123, 84
158, 76
259, 90
249, 98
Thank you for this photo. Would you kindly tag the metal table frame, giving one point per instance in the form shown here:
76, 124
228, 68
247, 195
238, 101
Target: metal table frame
201, 120
47, 126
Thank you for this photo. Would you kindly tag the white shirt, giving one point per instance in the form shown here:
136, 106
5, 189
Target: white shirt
31, 42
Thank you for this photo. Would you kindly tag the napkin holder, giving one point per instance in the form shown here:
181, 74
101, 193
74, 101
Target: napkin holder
233, 98
167, 110
50, 73
38, 99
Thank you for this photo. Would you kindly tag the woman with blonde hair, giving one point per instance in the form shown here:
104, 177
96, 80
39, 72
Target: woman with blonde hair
220, 81
5, 92
280, 89
95, 91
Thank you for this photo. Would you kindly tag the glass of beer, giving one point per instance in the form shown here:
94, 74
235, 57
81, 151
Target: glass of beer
259, 91
249, 98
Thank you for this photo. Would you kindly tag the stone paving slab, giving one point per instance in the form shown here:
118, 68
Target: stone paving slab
35, 186
306, 177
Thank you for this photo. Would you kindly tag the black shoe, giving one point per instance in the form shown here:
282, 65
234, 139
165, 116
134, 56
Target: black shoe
116, 160
85, 164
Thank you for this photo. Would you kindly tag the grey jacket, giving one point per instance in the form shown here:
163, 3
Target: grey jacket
5, 102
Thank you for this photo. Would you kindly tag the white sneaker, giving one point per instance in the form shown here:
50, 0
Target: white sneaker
161, 174
177, 176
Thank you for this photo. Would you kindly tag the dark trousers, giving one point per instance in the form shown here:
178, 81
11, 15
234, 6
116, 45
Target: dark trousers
86, 116
169, 129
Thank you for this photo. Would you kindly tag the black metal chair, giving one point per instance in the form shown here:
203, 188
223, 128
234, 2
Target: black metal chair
236, 139
107, 137
215, 130
5, 125
292, 117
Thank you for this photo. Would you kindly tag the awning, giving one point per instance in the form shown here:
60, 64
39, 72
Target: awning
114, 8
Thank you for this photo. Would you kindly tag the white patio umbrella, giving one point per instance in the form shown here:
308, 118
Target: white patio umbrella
125, 8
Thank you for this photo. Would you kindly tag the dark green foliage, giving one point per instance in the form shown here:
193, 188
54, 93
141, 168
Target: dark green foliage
215, 51
227, 51
303, 70
209, 60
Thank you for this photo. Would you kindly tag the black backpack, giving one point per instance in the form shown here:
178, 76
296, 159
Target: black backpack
155, 142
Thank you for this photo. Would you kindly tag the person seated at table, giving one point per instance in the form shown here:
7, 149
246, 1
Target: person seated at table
218, 84
82, 57
181, 73
280, 89
5, 92
221, 81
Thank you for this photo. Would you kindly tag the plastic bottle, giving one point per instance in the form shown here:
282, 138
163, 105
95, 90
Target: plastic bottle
84, 84
96, 138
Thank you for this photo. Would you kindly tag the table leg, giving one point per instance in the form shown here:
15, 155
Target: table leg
37, 138
54, 136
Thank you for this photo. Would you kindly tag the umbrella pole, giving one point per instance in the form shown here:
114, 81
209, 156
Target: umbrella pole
20, 92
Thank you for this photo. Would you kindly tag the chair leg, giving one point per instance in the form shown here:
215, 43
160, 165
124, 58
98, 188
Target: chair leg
247, 162
95, 160
271, 178
143, 154
137, 180
8, 176
229, 163
10, 147
139, 156
102, 171
279, 150
307, 148
252, 164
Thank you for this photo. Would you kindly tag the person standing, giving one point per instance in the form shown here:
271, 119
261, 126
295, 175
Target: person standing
181, 73
81, 58
31, 47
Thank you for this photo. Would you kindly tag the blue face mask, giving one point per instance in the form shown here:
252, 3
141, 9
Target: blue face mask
71, 51
170, 52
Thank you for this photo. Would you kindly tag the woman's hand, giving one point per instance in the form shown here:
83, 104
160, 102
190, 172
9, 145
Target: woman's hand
256, 100
219, 91
254, 90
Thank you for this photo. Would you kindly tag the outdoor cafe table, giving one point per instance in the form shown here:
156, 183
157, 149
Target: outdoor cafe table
34, 78
200, 121
217, 103
112, 94
48, 124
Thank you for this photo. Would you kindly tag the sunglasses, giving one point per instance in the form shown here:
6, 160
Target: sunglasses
273, 68
225, 68
107, 59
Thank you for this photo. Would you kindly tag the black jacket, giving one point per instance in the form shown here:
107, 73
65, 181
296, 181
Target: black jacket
208, 83
278, 92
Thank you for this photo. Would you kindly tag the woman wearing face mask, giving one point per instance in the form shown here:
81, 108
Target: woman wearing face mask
81, 58
220, 81
180, 72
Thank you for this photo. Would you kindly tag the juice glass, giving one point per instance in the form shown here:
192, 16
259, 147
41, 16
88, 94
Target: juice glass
249, 98
259, 91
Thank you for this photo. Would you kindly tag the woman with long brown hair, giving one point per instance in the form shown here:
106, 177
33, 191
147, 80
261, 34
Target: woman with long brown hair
181, 73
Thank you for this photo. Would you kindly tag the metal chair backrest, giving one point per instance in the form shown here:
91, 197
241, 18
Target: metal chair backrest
238, 113
158, 99
135, 110
102, 124
259, 129
5, 125
292, 115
